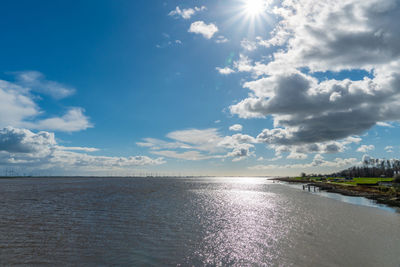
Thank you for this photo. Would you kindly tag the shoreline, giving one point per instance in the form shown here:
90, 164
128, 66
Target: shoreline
353, 191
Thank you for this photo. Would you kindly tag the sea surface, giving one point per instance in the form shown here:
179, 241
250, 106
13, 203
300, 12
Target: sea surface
189, 222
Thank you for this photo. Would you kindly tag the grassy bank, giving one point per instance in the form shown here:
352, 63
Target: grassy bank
343, 181
379, 189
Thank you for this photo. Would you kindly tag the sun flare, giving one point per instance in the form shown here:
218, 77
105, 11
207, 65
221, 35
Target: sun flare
254, 7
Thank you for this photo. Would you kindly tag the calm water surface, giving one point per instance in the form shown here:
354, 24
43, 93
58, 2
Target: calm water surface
196, 222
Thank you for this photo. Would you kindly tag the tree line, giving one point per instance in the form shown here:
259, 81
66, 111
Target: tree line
372, 167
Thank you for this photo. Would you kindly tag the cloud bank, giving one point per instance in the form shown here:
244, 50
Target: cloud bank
24, 148
202, 144
317, 37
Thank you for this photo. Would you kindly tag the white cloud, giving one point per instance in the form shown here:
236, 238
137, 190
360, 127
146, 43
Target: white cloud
325, 36
186, 155
196, 144
186, 13
241, 152
236, 128
271, 42
221, 39
37, 82
305, 112
74, 148
295, 155
366, 148
14, 140
389, 149
205, 140
74, 120
248, 45
154, 143
331, 35
207, 30
19, 109
318, 161
24, 148
282, 141
225, 71
16, 105
66, 159
384, 124
245, 64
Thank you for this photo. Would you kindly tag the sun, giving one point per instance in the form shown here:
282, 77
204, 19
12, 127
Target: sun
254, 7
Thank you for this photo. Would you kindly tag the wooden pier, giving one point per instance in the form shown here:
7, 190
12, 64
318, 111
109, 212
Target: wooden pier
311, 187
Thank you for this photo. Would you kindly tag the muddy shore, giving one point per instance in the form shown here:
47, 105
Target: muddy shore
356, 191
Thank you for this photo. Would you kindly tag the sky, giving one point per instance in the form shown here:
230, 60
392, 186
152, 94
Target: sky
218, 87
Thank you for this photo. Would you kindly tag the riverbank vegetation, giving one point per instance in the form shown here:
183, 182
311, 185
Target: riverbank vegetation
375, 179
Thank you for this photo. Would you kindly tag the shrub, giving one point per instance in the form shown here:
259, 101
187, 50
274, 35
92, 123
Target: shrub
397, 179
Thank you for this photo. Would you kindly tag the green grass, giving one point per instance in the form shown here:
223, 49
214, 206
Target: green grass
368, 180
361, 180
353, 182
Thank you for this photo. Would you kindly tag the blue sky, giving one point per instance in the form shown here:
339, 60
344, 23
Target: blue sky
125, 87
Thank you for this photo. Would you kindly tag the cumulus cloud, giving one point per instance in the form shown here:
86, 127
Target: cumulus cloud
296, 155
225, 71
366, 148
14, 140
331, 35
22, 147
207, 30
320, 36
19, 109
241, 152
236, 128
67, 159
198, 144
186, 13
74, 120
16, 105
281, 141
303, 106
318, 161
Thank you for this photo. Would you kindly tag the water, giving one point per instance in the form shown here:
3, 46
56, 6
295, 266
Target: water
197, 221
348, 199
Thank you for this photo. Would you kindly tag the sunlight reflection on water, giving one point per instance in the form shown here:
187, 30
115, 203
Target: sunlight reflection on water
241, 225
187, 222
